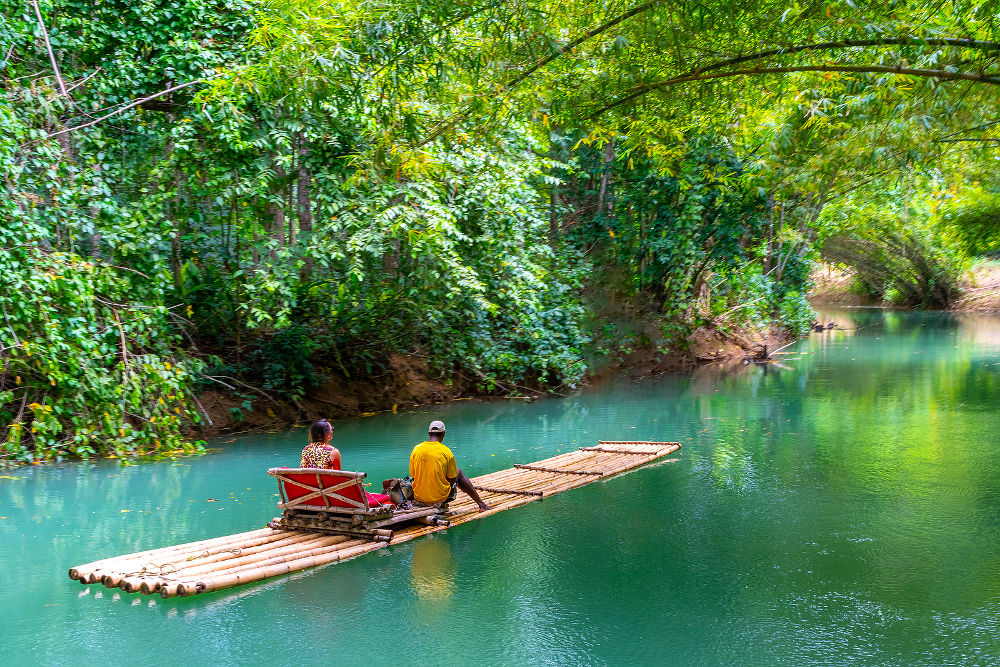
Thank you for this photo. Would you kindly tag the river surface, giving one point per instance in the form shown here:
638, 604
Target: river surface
839, 508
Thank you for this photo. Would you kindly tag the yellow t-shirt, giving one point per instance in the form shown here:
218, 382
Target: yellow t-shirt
431, 464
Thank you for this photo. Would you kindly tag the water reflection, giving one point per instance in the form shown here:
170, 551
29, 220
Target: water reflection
432, 570
978, 329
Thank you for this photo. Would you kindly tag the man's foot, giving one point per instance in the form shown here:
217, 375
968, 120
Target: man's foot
483, 507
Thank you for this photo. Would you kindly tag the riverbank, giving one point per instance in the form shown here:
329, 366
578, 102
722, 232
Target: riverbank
408, 382
979, 286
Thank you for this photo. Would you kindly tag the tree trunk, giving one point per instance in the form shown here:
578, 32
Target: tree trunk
292, 200
609, 158
769, 255
277, 208
304, 203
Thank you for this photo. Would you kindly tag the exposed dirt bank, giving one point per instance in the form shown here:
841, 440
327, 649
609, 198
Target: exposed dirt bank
705, 346
408, 383
980, 289
833, 286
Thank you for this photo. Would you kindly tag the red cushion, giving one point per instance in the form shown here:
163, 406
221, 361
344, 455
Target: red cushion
376, 499
294, 491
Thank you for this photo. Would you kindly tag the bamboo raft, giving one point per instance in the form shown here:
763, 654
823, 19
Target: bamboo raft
234, 560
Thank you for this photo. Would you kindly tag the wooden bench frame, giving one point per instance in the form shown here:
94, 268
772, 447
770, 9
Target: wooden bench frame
340, 514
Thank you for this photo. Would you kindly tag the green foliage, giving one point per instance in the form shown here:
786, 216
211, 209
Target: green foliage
975, 220
795, 312
282, 362
895, 245
698, 236
348, 180
86, 357
244, 228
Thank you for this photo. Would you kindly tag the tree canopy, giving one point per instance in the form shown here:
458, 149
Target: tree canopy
257, 195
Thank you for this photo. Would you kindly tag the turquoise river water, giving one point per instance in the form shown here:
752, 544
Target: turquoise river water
841, 507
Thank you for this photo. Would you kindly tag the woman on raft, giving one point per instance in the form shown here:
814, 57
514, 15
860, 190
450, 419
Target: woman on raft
319, 453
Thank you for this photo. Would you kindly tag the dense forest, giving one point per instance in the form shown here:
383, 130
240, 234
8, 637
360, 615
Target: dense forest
254, 196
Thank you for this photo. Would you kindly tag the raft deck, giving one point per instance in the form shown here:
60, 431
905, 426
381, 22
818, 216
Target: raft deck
243, 558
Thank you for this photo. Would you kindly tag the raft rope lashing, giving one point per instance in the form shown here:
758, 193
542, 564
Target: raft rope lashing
164, 570
610, 450
633, 442
513, 492
524, 466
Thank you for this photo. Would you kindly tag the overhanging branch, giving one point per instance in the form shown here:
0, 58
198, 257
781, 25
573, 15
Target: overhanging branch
517, 80
604, 27
48, 47
851, 43
992, 79
130, 105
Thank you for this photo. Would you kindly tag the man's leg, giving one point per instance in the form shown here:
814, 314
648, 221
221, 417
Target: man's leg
465, 484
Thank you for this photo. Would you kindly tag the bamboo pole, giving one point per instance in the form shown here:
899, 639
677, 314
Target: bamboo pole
615, 450
113, 578
516, 492
196, 584
125, 578
563, 472
76, 572
193, 582
171, 552
308, 541
221, 561
221, 582
634, 442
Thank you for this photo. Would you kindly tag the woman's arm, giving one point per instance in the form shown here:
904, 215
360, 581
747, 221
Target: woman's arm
335, 459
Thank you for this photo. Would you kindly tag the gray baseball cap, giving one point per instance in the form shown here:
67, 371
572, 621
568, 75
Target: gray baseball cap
436, 427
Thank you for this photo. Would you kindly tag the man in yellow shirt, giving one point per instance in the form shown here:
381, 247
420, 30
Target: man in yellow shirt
435, 473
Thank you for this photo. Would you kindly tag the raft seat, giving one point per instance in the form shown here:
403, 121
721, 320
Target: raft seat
335, 501
321, 488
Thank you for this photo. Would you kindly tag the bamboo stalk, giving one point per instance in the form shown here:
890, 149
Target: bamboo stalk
516, 492
113, 578
171, 552
196, 585
564, 472
611, 450
77, 572
230, 560
310, 541
221, 582
193, 583
123, 578
634, 442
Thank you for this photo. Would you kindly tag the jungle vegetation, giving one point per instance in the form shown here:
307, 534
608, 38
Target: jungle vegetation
239, 192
